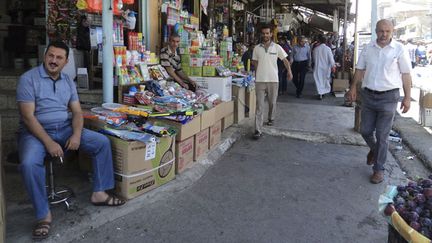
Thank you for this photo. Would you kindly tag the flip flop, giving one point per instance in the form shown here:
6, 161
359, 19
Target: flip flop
114, 203
38, 232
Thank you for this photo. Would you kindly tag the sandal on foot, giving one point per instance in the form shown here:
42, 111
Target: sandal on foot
111, 201
41, 230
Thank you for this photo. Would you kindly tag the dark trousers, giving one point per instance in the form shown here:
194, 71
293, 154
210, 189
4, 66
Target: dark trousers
377, 113
299, 70
283, 82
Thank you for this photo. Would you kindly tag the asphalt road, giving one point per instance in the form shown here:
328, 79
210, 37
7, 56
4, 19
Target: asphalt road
272, 190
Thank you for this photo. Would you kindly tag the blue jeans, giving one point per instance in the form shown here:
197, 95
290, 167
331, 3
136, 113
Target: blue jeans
32, 153
377, 114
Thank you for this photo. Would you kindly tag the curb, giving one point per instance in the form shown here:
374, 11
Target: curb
416, 139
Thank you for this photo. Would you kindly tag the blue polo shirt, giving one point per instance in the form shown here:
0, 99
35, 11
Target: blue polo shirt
51, 97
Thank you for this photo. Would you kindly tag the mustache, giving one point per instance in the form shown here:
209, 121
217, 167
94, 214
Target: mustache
55, 64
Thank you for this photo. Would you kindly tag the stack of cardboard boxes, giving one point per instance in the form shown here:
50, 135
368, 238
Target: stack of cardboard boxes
138, 167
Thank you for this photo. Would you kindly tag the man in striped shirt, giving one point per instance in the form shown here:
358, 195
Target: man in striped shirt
170, 60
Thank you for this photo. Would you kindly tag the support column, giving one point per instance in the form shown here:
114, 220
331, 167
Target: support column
373, 18
107, 51
336, 20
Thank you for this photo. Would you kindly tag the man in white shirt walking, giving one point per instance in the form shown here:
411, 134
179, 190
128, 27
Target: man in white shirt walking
385, 67
323, 59
264, 58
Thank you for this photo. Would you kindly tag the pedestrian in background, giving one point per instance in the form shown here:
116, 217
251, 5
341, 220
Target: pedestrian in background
302, 58
384, 66
324, 62
264, 57
283, 82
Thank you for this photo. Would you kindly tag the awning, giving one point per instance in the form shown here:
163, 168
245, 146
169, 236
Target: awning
407, 22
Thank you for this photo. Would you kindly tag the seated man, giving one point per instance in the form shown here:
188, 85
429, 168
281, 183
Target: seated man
170, 60
44, 95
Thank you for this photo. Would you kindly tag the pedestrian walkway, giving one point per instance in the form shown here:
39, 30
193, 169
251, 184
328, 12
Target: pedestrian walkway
326, 159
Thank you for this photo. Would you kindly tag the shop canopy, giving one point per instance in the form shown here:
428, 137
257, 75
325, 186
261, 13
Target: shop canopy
324, 6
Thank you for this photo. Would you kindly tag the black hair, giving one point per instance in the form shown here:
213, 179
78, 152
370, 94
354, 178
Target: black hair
174, 35
266, 26
59, 44
322, 39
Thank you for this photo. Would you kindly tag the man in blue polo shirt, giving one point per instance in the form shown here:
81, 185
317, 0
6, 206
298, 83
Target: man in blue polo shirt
45, 95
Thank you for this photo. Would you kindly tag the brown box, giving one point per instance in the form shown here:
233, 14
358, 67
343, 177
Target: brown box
208, 118
184, 154
129, 156
227, 121
426, 100
130, 186
343, 75
239, 103
224, 109
340, 85
215, 134
201, 144
184, 131
251, 102
133, 174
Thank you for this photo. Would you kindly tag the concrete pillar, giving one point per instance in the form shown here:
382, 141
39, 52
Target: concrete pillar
107, 51
336, 20
374, 17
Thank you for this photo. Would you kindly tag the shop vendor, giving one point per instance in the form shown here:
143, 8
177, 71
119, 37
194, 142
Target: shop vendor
170, 60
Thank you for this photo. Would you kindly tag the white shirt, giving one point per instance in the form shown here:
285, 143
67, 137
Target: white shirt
384, 66
267, 62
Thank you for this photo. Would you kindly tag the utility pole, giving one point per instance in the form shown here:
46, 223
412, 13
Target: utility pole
107, 51
373, 19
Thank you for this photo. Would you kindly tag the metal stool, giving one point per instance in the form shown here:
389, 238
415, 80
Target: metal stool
57, 194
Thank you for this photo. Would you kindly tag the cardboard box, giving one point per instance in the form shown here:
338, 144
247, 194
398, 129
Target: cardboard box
184, 154
130, 186
224, 109
426, 116
343, 75
196, 71
185, 59
129, 156
340, 85
426, 100
215, 134
183, 130
250, 97
208, 118
209, 71
133, 174
201, 145
227, 121
196, 62
186, 70
239, 96
216, 85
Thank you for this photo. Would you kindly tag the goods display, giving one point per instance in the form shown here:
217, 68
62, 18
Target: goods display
408, 208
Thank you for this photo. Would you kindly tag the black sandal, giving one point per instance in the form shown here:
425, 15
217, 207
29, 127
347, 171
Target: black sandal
41, 230
114, 203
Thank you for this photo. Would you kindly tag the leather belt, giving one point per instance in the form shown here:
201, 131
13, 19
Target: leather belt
379, 92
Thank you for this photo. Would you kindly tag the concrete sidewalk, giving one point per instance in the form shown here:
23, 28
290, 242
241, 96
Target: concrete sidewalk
306, 119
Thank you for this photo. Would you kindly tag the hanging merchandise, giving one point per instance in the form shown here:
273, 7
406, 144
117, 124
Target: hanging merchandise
128, 1
204, 5
95, 6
